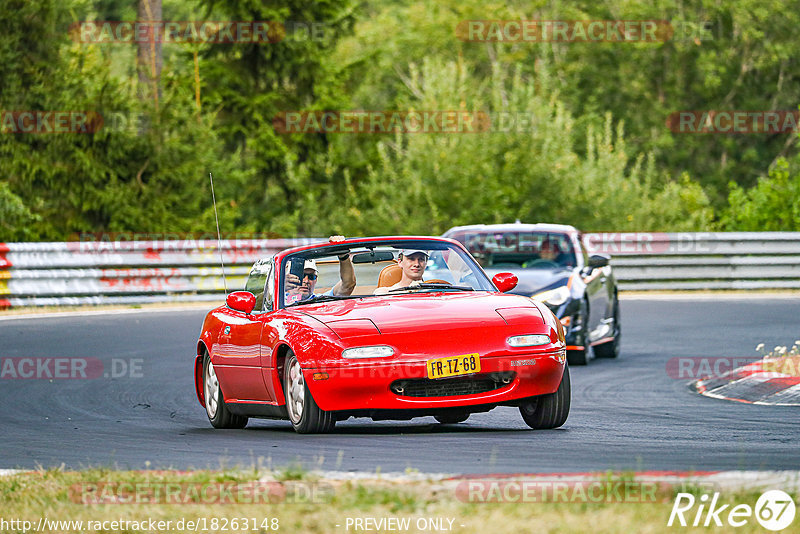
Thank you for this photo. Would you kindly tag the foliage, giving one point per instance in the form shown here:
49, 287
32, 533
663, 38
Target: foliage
723, 55
141, 171
15, 217
597, 153
530, 170
250, 83
773, 204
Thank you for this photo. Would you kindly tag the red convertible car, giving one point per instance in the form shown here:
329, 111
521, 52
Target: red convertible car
384, 327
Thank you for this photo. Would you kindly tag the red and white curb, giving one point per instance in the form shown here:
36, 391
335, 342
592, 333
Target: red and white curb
751, 384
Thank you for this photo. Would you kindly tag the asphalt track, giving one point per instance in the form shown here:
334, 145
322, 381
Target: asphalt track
627, 414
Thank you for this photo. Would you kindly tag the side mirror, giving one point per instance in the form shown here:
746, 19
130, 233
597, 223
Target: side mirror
242, 301
505, 281
599, 260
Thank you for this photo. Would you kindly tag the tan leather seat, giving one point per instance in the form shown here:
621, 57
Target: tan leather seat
390, 275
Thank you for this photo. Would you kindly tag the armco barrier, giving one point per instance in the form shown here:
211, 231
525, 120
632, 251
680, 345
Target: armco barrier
74, 273
127, 272
702, 260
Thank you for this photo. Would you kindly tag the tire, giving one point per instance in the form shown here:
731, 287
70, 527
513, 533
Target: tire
611, 349
451, 418
577, 357
304, 414
548, 411
581, 357
217, 411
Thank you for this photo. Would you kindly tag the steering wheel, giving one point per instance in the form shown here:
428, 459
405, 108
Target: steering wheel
540, 263
437, 281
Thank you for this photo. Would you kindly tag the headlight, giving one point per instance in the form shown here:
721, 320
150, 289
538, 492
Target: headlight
530, 340
378, 351
556, 297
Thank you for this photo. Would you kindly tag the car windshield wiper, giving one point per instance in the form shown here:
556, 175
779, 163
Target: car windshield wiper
425, 285
324, 298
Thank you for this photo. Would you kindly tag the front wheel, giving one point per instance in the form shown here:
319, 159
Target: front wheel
581, 356
577, 357
548, 411
305, 415
217, 411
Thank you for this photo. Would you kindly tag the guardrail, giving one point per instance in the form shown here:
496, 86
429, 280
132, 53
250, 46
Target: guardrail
127, 272
121, 272
702, 260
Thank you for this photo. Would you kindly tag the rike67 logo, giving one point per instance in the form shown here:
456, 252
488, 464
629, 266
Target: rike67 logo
774, 510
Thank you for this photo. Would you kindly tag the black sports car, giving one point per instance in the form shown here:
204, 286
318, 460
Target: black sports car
553, 266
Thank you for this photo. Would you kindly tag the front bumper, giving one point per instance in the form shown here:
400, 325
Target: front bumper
359, 386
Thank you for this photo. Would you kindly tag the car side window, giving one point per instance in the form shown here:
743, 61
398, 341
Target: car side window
256, 282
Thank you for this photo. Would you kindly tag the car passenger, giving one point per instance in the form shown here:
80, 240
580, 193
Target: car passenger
298, 290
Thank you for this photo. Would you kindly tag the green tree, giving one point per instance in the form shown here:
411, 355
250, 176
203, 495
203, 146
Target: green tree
723, 55
16, 219
772, 205
250, 83
529, 169
115, 179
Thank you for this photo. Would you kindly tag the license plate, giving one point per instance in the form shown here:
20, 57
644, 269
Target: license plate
466, 364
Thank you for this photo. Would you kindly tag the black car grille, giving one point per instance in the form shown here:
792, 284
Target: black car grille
450, 387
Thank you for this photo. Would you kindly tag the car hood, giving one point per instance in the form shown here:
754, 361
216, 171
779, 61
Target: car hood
410, 314
532, 281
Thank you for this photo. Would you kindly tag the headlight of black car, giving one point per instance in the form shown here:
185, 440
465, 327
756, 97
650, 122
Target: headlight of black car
553, 297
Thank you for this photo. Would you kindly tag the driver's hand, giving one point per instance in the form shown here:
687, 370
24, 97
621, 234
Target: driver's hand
336, 239
415, 283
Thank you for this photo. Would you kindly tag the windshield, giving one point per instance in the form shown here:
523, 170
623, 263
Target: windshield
385, 269
515, 250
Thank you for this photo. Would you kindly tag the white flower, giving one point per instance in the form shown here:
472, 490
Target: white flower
781, 350
759, 347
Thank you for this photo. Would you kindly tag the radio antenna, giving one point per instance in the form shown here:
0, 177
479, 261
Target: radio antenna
219, 238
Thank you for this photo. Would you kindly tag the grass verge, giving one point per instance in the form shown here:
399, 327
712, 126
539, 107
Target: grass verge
788, 365
298, 502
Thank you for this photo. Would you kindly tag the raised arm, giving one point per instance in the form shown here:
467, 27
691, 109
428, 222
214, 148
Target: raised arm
347, 274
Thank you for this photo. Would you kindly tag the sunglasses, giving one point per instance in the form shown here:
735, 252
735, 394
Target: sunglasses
310, 276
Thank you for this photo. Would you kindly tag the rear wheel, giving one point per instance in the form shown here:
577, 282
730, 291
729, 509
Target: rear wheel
548, 411
611, 348
305, 415
217, 411
451, 418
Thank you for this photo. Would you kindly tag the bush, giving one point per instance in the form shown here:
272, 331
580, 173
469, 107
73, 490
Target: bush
426, 183
773, 204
